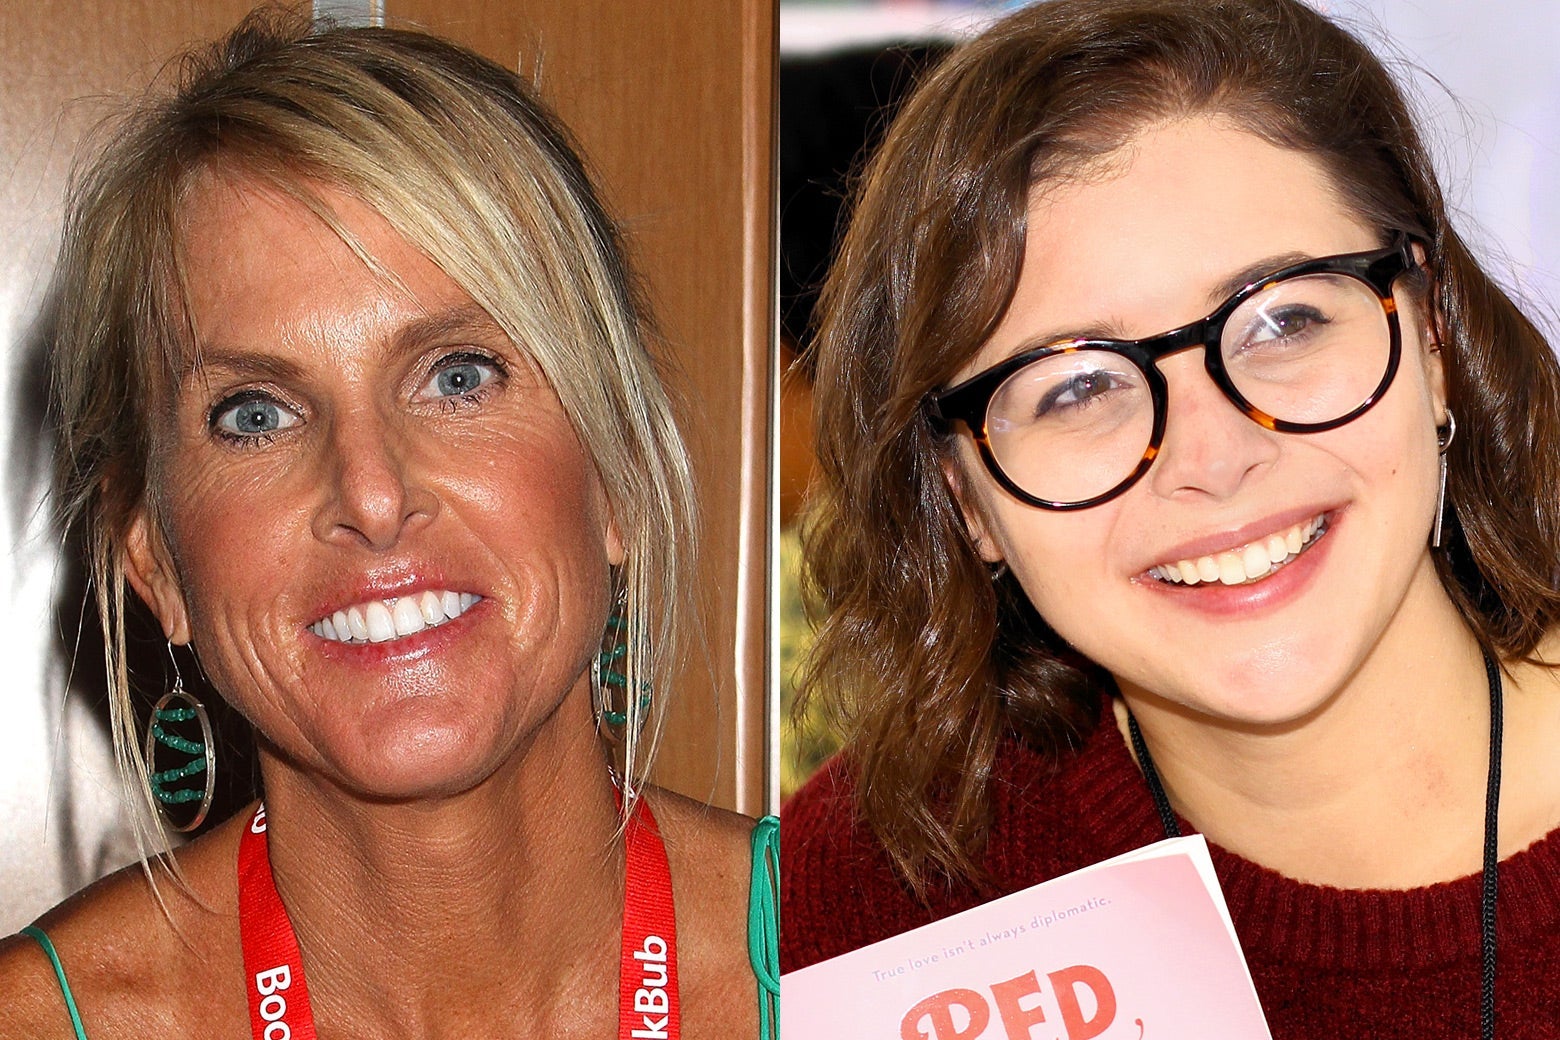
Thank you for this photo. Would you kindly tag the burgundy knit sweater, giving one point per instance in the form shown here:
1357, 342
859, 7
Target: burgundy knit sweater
1328, 963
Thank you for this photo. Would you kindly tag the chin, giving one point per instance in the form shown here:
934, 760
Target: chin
417, 752
1269, 710
1266, 688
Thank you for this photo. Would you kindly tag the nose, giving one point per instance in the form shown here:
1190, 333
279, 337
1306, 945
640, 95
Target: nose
1210, 448
375, 484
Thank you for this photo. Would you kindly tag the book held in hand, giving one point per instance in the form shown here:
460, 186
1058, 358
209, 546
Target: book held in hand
1139, 947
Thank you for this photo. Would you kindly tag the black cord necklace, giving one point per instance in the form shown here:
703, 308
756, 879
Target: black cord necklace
1491, 875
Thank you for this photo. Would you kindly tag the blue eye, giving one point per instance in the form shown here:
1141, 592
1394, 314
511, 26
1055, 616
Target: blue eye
252, 415
459, 379
461, 375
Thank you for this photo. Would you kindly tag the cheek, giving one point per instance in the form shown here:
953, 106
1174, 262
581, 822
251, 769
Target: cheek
1060, 559
234, 530
529, 495
1391, 450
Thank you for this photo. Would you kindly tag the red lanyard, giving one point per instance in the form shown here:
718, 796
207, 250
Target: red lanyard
647, 974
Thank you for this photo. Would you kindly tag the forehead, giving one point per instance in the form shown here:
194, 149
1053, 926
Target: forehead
259, 262
1149, 240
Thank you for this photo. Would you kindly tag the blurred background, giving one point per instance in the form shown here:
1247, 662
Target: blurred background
1484, 78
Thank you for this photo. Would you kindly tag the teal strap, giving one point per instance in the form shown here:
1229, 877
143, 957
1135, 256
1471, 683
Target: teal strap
59, 973
764, 924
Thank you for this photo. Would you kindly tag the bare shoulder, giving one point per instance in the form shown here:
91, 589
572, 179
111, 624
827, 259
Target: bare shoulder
710, 853
705, 830
29, 993
139, 959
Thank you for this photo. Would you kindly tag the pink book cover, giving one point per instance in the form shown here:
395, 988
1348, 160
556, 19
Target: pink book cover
1139, 947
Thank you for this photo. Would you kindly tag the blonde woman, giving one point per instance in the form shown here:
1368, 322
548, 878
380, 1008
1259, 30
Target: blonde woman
353, 393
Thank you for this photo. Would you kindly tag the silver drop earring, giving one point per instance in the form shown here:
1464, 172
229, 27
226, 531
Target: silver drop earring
177, 709
1444, 436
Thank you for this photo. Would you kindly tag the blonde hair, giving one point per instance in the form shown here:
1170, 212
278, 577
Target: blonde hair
466, 164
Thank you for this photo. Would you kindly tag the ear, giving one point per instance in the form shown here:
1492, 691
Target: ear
1433, 333
979, 532
1435, 377
149, 566
612, 541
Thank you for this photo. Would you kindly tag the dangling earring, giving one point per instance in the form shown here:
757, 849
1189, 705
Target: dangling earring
606, 672
177, 706
1444, 435
619, 718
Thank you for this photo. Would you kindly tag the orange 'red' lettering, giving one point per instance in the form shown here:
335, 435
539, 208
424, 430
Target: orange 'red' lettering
937, 1010
1017, 1021
1065, 983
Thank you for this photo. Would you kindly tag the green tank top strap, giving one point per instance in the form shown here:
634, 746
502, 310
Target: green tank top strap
37, 934
764, 924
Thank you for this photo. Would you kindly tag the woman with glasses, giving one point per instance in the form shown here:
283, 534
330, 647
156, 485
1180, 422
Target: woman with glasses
1183, 471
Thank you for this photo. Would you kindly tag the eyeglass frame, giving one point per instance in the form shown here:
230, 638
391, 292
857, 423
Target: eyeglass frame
969, 401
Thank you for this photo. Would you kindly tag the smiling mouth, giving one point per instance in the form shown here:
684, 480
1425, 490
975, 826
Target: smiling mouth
1244, 564
381, 620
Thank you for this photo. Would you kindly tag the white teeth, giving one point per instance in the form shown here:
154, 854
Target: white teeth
381, 626
431, 606
379, 621
1244, 563
1256, 562
1230, 570
407, 616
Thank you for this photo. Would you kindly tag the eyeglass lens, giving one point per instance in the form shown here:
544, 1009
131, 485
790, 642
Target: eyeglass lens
1072, 425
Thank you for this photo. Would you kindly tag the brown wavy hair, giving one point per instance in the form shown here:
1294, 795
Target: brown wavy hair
927, 661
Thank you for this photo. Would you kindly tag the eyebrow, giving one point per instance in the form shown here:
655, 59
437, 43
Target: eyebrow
1256, 272
417, 334
1252, 273
455, 322
243, 364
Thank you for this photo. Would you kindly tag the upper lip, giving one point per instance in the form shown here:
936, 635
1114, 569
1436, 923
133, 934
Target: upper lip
1230, 538
389, 582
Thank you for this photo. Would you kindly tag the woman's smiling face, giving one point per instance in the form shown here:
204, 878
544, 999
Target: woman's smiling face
372, 517
1148, 245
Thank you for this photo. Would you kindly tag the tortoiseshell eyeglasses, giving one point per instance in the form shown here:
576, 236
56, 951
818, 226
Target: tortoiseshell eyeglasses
1074, 423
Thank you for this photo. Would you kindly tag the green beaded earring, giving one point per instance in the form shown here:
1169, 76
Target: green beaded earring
609, 677
170, 728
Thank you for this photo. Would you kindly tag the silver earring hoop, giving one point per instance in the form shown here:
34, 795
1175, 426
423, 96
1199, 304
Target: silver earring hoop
620, 717
616, 716
169, 728
608, 672
1444, 435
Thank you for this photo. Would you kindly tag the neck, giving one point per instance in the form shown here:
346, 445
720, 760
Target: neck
410, 915
1382, 786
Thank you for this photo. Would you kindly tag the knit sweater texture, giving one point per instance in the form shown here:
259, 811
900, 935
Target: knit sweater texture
1327, 962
